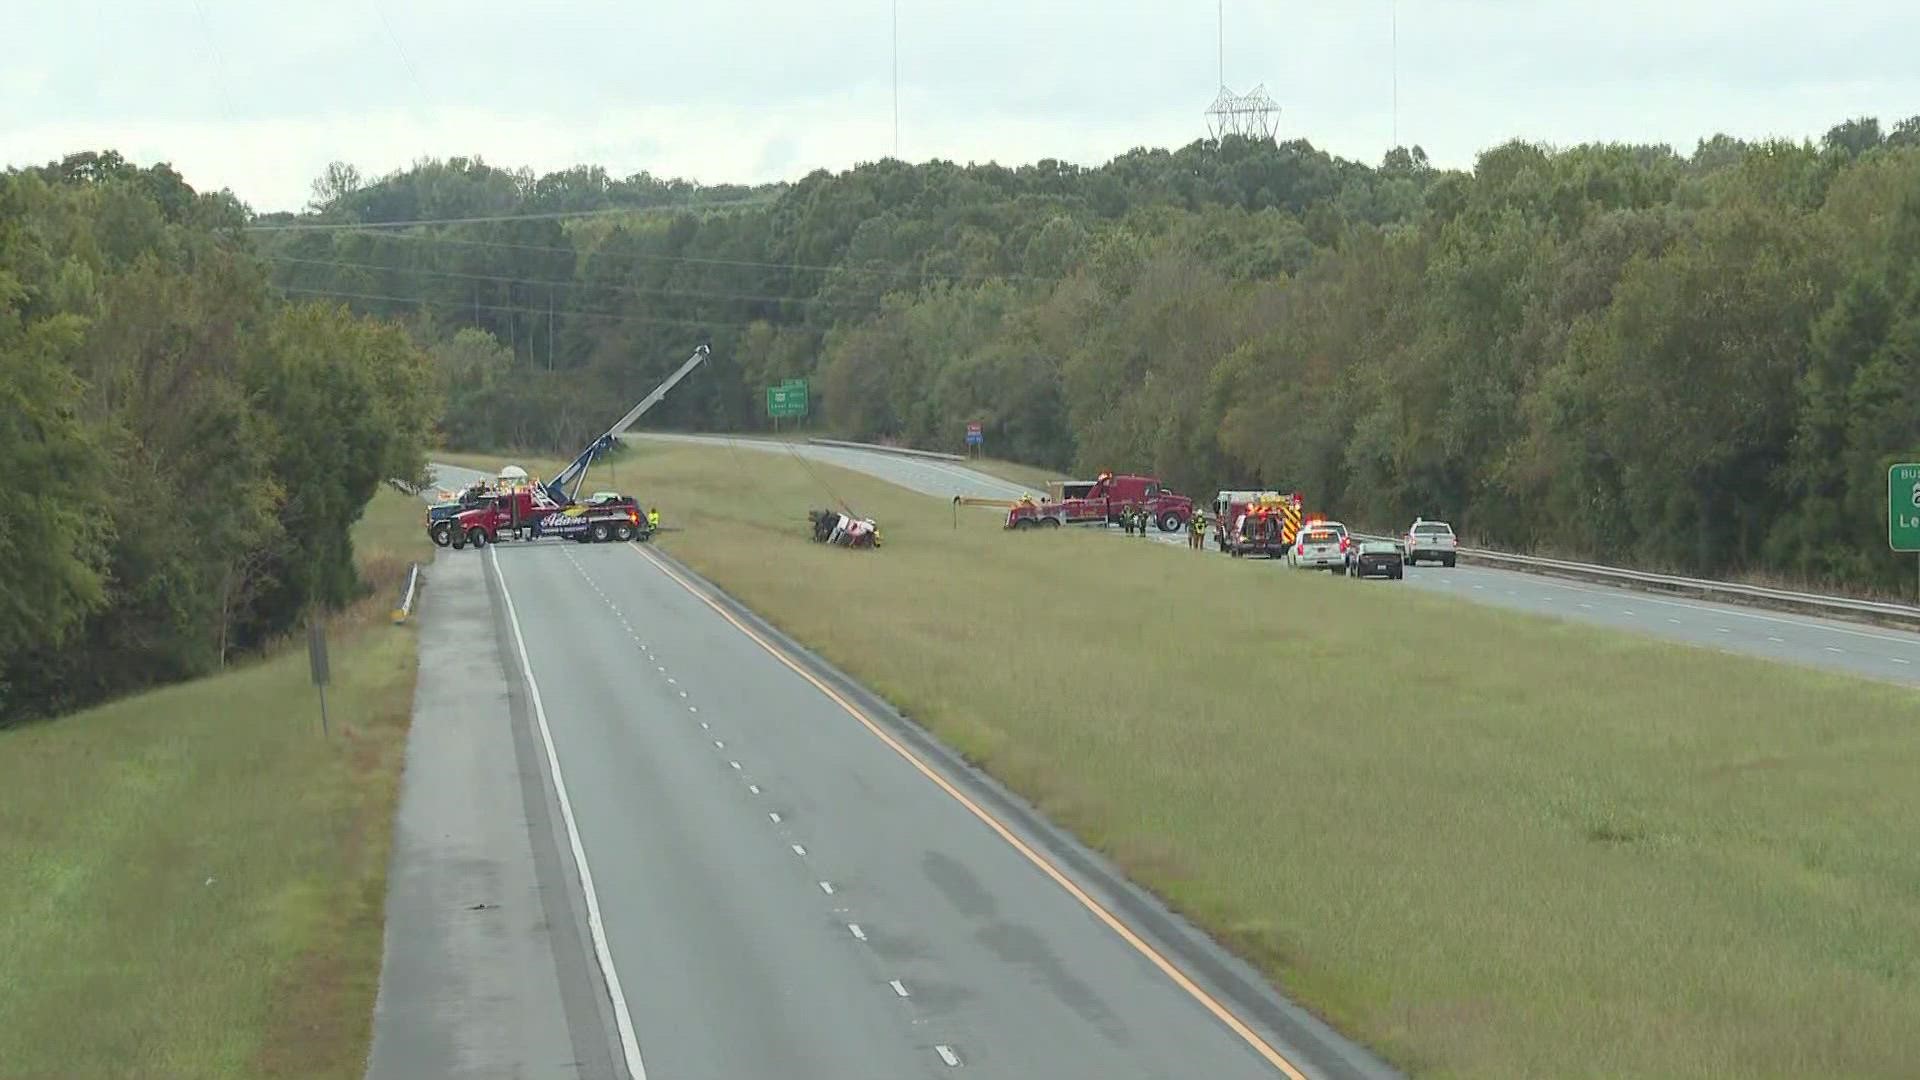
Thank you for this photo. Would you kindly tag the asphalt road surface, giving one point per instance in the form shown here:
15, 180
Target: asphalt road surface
785, 880
1889, 655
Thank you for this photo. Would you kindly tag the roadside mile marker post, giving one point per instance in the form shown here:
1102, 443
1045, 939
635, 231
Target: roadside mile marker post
317, 666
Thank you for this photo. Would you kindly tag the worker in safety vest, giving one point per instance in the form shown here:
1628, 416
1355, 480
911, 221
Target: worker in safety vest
1197, 531
653, 519
1126, 519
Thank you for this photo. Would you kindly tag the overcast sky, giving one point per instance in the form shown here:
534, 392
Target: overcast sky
258, 96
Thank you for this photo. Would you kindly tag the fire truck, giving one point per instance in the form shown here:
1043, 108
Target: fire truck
1256, 522
1102, 501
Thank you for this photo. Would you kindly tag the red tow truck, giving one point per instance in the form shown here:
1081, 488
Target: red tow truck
1102, 501
529, 513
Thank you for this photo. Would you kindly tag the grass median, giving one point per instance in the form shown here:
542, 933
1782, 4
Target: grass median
194, 879
1485, 843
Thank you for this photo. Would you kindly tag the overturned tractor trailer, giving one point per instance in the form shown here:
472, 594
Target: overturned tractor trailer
523, 508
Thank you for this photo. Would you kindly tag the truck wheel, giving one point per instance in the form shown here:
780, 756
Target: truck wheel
1448, 562
600, 532
1023, 523
1170, 521
623, 532
477, 536
441, 533
1051, 523
458, 540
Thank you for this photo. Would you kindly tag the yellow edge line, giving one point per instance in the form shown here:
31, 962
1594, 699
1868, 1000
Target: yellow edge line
1180, 978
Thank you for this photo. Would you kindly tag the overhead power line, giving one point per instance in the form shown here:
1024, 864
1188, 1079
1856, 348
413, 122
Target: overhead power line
494, 219
630, 290
463, 305
695, 260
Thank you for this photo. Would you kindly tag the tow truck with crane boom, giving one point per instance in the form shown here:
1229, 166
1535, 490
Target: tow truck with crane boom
554, 508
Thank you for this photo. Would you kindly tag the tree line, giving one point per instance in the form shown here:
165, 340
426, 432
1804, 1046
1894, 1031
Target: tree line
1699, 361
185, 450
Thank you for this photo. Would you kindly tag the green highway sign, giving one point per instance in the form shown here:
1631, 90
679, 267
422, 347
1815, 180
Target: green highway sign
1903, 507
789, 399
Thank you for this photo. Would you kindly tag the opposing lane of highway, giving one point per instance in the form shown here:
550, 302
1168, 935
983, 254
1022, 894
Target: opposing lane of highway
785, 894
1889, 655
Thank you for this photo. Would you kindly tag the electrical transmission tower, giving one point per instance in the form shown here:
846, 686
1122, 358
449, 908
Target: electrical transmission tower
1252, 116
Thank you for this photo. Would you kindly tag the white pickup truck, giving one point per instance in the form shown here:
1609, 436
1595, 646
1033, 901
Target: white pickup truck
1430, 540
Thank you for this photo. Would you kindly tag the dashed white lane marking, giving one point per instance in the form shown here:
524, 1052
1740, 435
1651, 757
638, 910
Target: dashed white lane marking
947, 1055
718, 745
1833, 648
1723, 630
671, 681
1586, 607
1777, 641
1627, 613
754, 789
703, 725
827, 887
733, 764
1675, 622
683, 693
1897, 660
660, 668
798, 850
858, 934
899, 987
693, 708
773, 816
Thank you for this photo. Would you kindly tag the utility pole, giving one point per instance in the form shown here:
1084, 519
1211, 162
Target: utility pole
549, 329
1221, 22
1393, 9
896, 79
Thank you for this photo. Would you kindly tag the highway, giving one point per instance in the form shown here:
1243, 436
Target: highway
1888, 655
787, 883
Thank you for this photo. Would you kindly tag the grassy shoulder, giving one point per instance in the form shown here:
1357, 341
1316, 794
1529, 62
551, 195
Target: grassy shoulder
194, 880
1485, 843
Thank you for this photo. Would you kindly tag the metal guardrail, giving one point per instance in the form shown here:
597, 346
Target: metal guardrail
1841, 607
407, 594
887, 449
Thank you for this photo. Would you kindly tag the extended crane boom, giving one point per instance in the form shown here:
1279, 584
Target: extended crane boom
576, 473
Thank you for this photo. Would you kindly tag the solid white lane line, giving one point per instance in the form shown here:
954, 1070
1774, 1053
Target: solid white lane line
629, 1042
827, 887
899, 987
947, 1055
858, 934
